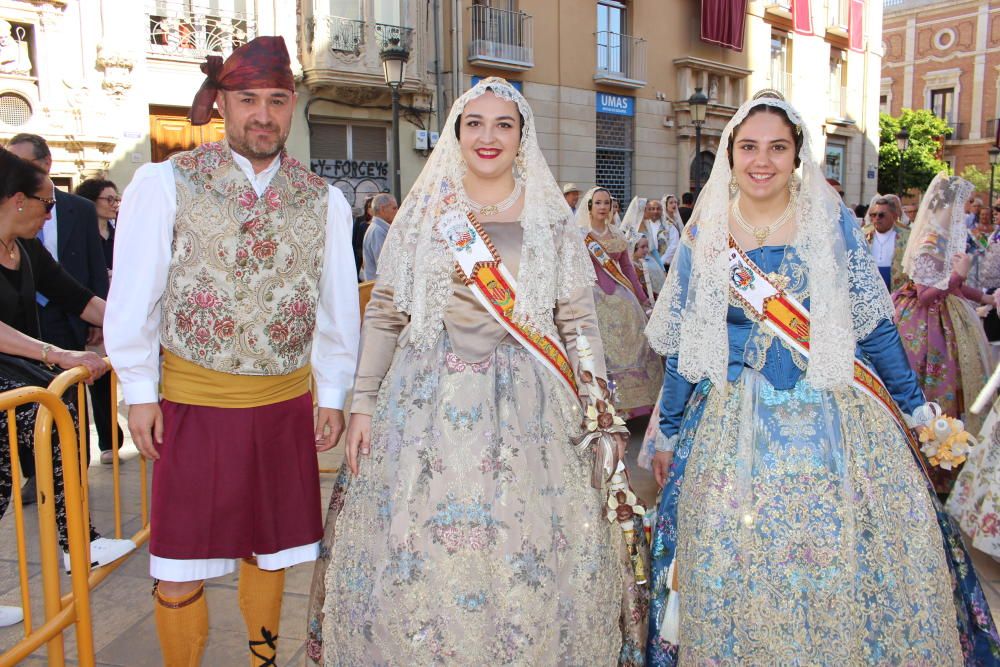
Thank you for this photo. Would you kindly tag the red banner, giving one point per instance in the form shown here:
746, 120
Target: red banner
802, 17
856, 25
723, 22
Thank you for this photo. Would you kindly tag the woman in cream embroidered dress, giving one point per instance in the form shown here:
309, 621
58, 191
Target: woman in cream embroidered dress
803, 529
935, 310
634, 369
467, 531
674, 227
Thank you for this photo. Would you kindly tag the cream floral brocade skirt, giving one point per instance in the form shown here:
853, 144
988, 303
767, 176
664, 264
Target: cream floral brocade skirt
472, 535
807, 536
633, 366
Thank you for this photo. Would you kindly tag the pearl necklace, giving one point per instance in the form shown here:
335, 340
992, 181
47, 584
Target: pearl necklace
487, 210
760, 234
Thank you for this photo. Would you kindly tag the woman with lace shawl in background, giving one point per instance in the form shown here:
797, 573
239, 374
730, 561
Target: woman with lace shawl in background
795, 525
936, 311
648, 269
464, 529
634, 370
674, 227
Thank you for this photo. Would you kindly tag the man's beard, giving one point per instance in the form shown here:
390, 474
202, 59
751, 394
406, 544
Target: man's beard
261, 149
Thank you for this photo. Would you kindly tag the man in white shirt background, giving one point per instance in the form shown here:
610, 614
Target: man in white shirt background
384, 209
887, 239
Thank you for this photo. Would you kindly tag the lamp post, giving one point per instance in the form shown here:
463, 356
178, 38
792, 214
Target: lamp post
902, 141
697, 105
994, 160
394, 56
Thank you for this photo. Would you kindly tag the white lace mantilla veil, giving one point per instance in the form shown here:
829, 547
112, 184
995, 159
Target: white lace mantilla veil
417, 265
676, 221
693, 325
583, 216
939, 231
633, 216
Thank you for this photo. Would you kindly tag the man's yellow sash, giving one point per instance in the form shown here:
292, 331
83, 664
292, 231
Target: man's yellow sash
484, 273
607, 262
789, 319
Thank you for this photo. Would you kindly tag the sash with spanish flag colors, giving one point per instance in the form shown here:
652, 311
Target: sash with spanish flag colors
484, 273
789, 320
607, 262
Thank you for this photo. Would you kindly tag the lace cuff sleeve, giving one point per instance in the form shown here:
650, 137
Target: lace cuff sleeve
922, 415
665, 444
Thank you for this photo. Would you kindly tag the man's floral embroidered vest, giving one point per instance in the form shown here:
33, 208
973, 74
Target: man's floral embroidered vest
243, 281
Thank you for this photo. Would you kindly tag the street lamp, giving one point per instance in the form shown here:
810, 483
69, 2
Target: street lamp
697, 105
902, 141
994, 160
394, 56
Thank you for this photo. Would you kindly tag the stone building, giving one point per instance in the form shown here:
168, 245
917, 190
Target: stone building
945, 56
109, 82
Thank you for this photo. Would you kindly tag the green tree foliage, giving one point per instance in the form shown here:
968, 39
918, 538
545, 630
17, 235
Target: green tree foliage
920, 162
981, 179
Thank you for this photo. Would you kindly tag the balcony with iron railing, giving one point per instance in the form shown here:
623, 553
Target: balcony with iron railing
990, 131
501, 38
179, 30
345, 35
621, 60
393, 37
959, 131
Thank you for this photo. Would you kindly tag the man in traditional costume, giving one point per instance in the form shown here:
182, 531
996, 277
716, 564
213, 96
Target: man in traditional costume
887, 239
235, 261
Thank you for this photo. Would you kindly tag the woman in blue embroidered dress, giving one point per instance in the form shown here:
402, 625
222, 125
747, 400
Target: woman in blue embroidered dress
803, 529
464, 529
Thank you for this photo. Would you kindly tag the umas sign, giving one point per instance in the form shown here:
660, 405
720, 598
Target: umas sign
619, 105
357, 179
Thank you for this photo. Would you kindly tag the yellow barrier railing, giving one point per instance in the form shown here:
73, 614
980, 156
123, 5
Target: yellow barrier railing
60, 612
62, 383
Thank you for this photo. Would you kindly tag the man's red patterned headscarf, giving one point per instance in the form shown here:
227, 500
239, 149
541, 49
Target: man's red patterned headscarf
261, 63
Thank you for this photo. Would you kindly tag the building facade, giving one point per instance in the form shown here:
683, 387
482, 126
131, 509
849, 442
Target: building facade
945, 56
109, 82
609, 81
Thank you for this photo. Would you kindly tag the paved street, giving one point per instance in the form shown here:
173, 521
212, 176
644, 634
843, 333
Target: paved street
124, 629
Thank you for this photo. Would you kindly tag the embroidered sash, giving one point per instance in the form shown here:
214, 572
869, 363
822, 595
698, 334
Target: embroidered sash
789, 319
495, 287
607, 263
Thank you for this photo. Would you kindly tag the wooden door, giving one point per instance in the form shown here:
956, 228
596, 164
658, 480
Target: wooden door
170, 132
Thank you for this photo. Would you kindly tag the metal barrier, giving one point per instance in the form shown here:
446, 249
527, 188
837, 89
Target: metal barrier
60, 611
62, 383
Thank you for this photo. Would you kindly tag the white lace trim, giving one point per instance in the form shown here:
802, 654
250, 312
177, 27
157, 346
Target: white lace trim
665, 444
923, 415
939, 231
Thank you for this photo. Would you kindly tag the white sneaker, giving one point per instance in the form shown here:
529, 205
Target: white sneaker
10, 616
104, 550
